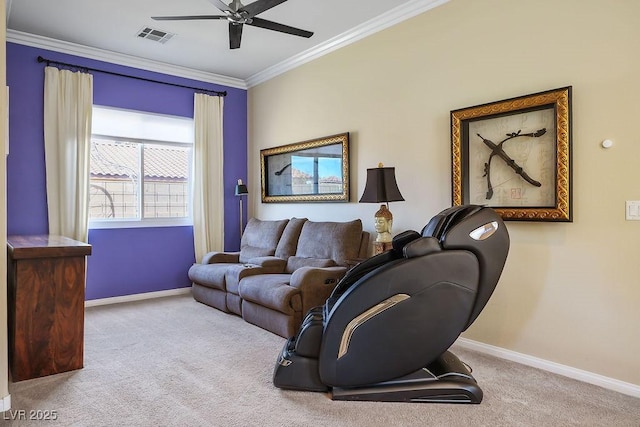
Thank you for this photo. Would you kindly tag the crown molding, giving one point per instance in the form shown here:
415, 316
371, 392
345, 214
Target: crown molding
394, 16
388, 19
121, 59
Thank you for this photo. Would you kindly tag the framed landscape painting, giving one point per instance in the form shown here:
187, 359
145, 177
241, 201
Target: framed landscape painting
310, 171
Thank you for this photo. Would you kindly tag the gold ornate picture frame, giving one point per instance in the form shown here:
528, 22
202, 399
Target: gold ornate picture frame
514, 155
310, 171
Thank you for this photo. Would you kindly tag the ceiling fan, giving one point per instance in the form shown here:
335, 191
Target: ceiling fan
238, 14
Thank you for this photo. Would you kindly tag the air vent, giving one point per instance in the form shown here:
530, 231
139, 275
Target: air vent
155, 35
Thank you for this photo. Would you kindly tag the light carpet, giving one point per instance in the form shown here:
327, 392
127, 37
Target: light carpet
175, 362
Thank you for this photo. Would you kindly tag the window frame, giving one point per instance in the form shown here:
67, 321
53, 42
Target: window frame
141, 221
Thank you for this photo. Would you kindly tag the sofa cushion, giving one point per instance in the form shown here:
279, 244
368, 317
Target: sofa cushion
209, 275
236, 272
260, 238
272, 291
289, 240
339, 241
296, 262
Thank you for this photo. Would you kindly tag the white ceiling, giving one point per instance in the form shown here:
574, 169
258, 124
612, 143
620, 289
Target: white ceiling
112, 26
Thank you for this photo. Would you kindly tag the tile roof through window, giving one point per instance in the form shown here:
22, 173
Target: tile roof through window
119, 159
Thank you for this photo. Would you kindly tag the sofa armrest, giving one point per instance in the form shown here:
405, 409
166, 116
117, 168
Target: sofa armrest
316, 284
306, 277
221, 257
269, 264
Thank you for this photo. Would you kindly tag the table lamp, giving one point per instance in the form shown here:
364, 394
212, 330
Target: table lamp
381, 186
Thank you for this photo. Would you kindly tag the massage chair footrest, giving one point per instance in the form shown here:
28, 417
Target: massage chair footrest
446, 380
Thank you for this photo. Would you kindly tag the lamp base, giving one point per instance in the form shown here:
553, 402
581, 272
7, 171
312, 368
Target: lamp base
379, 247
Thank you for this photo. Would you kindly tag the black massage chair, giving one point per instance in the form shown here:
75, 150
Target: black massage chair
385, 331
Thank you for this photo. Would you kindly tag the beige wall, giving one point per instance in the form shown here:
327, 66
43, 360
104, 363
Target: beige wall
570, 292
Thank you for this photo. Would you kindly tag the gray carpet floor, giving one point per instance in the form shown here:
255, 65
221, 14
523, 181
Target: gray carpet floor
175, 362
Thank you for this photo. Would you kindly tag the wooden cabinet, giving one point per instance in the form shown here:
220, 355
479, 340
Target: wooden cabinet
46, 289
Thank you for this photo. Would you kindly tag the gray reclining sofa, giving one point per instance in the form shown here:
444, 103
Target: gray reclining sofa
283, 269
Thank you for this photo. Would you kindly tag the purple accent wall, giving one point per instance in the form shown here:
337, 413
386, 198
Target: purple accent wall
124, 261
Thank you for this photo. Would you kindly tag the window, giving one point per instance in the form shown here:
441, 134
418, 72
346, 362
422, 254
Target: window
140, 169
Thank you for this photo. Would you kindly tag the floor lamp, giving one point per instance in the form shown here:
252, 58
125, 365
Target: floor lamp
241, 190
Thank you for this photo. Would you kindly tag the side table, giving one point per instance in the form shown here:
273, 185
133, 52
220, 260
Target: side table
46, 291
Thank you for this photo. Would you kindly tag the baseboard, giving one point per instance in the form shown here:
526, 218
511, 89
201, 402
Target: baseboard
564, 370
5, 403
137, 297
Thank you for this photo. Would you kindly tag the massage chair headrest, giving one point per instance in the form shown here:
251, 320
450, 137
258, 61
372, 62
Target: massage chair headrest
441, 223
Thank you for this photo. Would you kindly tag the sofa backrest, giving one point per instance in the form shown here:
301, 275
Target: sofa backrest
289, 240
260, 238
365, 249
337, 241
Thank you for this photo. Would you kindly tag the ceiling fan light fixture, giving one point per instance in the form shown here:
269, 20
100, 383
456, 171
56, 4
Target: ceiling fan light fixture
238, 15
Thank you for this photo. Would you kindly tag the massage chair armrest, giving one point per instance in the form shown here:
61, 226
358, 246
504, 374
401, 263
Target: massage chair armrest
421, 246
269, 264
221, 257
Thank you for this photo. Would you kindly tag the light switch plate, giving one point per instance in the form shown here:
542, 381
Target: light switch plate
632, 210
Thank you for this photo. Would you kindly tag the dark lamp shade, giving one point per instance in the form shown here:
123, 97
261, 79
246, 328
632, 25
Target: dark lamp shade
241, 190
381, 186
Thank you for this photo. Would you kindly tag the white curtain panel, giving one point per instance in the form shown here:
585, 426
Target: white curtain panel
208, 191
68, 99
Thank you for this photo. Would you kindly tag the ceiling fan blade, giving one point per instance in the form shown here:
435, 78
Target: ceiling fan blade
260, 6
222, 6
270, 25
187, 18
235, 35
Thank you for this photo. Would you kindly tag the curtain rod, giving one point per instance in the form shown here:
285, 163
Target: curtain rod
80, 67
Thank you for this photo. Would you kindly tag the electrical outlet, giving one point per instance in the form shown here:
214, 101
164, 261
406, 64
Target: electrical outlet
632, 210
